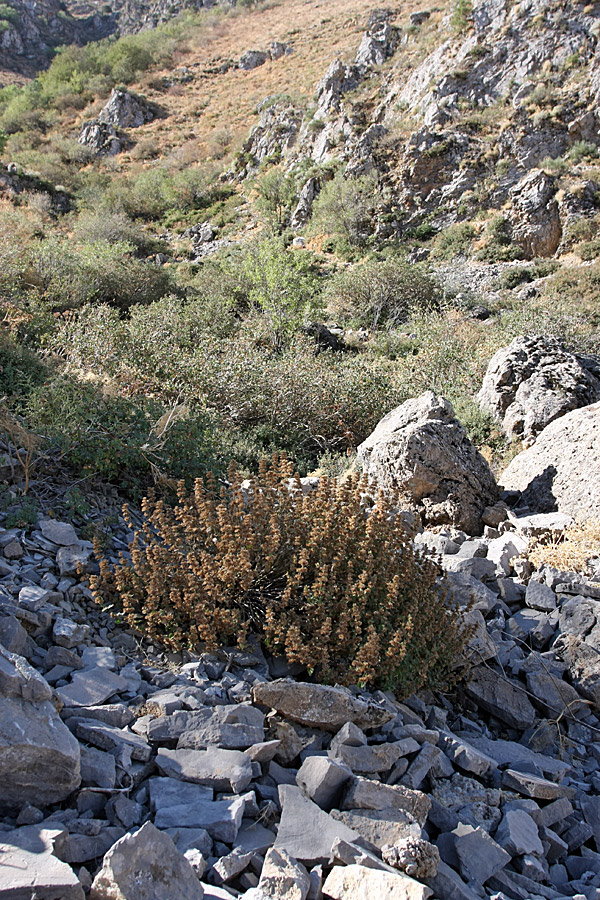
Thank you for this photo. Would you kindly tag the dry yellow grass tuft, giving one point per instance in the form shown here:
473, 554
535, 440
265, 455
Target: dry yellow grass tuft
573, 550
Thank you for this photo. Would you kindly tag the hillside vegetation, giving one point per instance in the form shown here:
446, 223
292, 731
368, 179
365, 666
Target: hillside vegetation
165, 280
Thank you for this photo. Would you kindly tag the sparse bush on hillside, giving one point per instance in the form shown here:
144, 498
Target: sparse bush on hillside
345, 207
282, 288
276, 194
334, 587
67, 276
382, 292
572, 551
454, 240
113, 228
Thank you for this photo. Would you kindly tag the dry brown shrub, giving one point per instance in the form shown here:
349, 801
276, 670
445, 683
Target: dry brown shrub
322, 578
572, 550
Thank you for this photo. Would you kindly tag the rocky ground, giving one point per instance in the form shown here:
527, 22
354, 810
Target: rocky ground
131, 774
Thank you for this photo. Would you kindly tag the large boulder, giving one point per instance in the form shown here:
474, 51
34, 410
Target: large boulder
39, 757
562, 469
534, 381
535, 219
421, 450
125, 110
146, 865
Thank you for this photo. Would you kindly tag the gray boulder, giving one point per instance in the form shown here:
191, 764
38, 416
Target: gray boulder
535, 218
377, 44
125, 110
318, 705
30, 869
421, 450
251, 59
355, 881
99, 137
146, 865
562, 469
39, 757
534, 381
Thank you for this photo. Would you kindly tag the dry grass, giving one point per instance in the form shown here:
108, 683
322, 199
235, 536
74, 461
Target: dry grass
573, 550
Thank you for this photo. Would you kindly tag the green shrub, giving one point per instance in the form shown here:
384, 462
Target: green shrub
345, 207
582, 150
282, 288
382, 292
454, 240
113, 228
318, 578
276, 194
21, 371
68, 276
119, 439
590, 250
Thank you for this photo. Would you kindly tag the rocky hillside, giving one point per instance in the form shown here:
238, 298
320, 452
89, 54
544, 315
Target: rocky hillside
30, 33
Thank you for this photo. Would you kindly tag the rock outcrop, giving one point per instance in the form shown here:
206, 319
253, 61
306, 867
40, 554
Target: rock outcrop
125, 110
421, 450
101, 138
534, 381
562, 469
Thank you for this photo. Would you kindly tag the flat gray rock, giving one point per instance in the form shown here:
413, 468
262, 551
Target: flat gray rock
305, 831
511, 753
220, 818
478, 854
106, 737
535, 787
39, 757
501, 697
362, 793
368, 758
30, 869
222, 770
518, 834
61, 533
166, 792
91, 687
234, 727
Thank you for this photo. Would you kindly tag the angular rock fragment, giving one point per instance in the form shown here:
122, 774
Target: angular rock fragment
362, 793
360, 883
30, 869
222, 770
322, 780
413, 856
501, 697
318, 705
39, 757
283, 876
533, 786
306, 832
146, 865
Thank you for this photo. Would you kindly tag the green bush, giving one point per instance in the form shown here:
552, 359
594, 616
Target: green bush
382, 292
345, 207
119, 439
319, 578
455, 240
92, 227
276, 195
67, 276
282, 288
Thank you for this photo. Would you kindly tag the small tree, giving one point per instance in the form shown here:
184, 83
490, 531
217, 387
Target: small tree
276, 194
282, 288
345, 207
